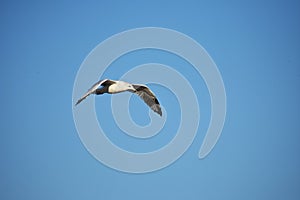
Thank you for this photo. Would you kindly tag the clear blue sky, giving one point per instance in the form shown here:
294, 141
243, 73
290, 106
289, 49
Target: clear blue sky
256, 46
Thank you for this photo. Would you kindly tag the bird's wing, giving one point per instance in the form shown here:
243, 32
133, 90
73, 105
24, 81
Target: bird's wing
104, 82
148, 97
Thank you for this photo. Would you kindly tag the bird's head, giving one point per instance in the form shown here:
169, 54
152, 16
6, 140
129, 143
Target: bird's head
131, 88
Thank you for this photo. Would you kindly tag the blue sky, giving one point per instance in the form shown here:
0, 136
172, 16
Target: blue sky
256, 47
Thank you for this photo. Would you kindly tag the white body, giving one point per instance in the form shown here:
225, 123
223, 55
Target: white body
120, 86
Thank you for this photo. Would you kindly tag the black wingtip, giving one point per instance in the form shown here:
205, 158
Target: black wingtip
78, 102
156, 108
160, 114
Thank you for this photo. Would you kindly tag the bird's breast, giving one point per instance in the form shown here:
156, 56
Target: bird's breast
114, 88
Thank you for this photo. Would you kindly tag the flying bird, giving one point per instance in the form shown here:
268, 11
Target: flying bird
112, 87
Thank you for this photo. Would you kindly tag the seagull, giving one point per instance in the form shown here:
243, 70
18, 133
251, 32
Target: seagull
113, 87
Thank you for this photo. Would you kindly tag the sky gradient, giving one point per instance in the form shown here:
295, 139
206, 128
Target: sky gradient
256, 47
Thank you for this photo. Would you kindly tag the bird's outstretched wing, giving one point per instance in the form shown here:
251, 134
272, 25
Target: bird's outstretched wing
148, 97
92, 90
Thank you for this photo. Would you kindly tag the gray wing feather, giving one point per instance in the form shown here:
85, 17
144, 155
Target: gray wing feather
148, 97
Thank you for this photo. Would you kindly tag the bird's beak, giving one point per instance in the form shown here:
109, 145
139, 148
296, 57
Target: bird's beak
131, 90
